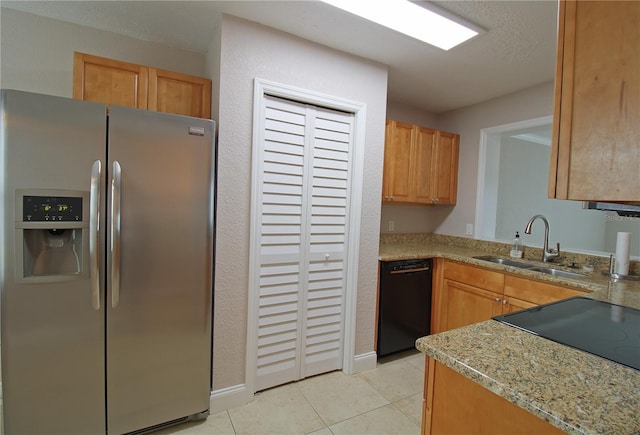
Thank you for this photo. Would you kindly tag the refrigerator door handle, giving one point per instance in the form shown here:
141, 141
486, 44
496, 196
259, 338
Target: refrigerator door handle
116, 181
94, 233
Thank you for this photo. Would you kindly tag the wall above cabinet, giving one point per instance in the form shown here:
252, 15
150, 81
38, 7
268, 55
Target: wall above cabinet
112, 81
420, 165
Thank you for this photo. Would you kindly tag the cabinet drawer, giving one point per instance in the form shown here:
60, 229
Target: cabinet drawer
537, 292
477, 277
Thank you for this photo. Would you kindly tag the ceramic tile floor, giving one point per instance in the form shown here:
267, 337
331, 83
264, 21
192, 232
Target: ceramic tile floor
386, 400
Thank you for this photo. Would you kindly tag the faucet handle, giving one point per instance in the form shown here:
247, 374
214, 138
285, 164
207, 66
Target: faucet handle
558, 248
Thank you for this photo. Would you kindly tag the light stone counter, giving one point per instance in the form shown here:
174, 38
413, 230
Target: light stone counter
573, 390
405, 247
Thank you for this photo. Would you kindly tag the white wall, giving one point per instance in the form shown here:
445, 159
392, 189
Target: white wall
248, 51
530, 103
37, 53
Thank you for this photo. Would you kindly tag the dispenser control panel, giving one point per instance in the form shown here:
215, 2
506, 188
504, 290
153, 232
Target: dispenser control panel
51, 209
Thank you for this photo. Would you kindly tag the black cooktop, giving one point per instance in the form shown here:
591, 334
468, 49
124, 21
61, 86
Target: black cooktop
600, 328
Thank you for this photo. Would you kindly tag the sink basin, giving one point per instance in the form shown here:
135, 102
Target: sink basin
557, 272
532, 267
504, 261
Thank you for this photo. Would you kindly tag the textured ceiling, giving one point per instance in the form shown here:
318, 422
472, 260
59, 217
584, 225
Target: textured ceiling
516, 50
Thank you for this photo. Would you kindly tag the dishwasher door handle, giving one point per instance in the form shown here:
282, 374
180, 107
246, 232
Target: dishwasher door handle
422, 269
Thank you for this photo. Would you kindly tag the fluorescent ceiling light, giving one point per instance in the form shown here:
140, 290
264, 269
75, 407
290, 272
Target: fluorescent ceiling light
410, 19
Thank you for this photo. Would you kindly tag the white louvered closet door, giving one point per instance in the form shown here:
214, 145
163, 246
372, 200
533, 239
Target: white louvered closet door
302, 240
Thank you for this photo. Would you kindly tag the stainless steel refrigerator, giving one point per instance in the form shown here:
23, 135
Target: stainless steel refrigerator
105, 266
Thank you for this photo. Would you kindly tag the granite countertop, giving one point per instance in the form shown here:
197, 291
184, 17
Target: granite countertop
464, 250
573, 390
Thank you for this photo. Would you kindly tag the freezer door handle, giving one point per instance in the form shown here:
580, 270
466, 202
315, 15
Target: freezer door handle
94, 233
116, 181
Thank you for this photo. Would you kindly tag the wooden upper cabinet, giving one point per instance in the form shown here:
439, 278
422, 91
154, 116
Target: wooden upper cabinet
595, 152
445, 172
397, 162
109, 81
420, 165
423, 155
114, 82
180, 94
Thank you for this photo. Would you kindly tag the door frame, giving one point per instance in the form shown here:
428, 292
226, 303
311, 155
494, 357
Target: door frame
261, 89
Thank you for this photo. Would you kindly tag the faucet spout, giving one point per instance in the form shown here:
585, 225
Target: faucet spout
547, 255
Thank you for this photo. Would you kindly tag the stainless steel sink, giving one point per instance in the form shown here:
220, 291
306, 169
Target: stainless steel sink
504, 261
557, 272
532, 267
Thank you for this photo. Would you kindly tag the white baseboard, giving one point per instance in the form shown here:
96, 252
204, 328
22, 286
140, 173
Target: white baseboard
229, 397
364, 361
236, 395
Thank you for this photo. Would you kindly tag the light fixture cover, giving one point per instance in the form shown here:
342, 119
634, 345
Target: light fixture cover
410, 19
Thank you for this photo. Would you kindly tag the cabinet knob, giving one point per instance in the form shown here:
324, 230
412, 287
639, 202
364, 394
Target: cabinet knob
497, 299
504, 302
326, 256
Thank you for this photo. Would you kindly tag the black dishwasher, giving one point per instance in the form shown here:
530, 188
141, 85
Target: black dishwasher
404, 304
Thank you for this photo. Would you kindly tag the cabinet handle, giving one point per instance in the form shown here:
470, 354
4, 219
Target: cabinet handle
504, 302
497, 299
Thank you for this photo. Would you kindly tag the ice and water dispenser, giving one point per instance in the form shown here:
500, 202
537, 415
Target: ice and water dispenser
51, 232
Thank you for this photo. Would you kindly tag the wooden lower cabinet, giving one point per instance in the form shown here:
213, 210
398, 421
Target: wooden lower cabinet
466, 294
456, 405
465, 304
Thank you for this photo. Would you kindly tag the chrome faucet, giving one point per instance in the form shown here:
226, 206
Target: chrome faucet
546, 254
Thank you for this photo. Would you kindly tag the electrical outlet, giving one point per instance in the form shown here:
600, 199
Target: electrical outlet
469, 230
392, 226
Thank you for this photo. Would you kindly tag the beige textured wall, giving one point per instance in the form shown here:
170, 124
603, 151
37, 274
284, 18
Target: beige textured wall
37, 52
519, 106
248, 51
530, 103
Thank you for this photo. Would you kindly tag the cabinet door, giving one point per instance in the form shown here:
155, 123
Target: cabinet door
445, 168
397, 162
595, 153
465, 304
180, 94
423, 162
109, 81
